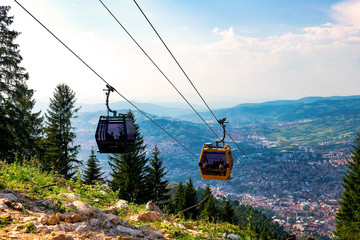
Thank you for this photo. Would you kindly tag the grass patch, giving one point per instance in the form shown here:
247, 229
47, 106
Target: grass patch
29, 228
5, 221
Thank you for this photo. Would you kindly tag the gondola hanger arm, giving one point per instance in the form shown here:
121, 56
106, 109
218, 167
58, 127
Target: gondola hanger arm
109, 89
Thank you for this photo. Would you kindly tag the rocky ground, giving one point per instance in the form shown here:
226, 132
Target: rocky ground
27, 218
23, 217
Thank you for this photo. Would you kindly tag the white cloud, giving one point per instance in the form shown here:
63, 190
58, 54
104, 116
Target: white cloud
315, 60
347, 13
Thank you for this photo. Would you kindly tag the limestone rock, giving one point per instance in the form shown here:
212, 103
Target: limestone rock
83, 227
232, 237
130, 231
60, 216
97, 212
18, 206
111, 221
41, 228
52, 220
14, 234
83, 208
122, 204
70, 196
150, 216
73, 218
65, 227
3, 206
43, 219
10, 196
45, 203
7, 190
12, 205
147, 228
111, 210
153, 207
62, 237
94, 222
157, 235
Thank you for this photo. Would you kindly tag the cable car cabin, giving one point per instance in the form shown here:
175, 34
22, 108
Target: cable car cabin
215, 163
115, 134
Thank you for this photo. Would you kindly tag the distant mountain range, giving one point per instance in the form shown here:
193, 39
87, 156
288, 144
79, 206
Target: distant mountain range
282, 110
308, 121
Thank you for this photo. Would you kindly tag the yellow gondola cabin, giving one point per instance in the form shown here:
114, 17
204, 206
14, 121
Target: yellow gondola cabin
215, 163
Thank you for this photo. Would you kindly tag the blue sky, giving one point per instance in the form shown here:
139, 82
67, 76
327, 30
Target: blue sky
233, 51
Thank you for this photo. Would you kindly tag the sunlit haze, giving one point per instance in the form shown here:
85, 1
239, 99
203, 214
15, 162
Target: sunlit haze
233, 51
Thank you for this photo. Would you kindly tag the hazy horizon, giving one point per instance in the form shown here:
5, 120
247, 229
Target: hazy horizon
240, 50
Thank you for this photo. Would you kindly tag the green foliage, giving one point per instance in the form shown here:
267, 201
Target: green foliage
30, 179
209, 212
5, 221
19, 127
157, 187
213, 212
254, 223
29, 227
129, 171
190, 199
228, 213
348, 216
60, 154
178, 199
208, 209
92, 171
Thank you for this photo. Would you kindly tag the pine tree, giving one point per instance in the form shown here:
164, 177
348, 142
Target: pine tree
190, 200
347, 219
208, 209
178, 199
129, 170
157, 187
207, 192
60, 152
92, 170
19, 127
228, 213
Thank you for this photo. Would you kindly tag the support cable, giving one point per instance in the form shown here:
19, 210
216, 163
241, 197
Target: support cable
98, 75
79, 58
158, 68
156, 32
253, 165
256, 178
172, 55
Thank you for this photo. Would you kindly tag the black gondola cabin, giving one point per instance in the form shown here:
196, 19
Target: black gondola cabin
115, 134
215, 163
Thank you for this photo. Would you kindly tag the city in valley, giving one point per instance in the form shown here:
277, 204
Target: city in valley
305, 184
292, 169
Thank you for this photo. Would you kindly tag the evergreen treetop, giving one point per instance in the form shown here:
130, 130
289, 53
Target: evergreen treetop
178, 198
347, 219
129, 170
157, 187
92, 170
228, 213
19, 127
190, 200
60, 153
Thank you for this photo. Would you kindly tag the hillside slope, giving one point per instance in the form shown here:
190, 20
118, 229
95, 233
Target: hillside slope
34, 205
